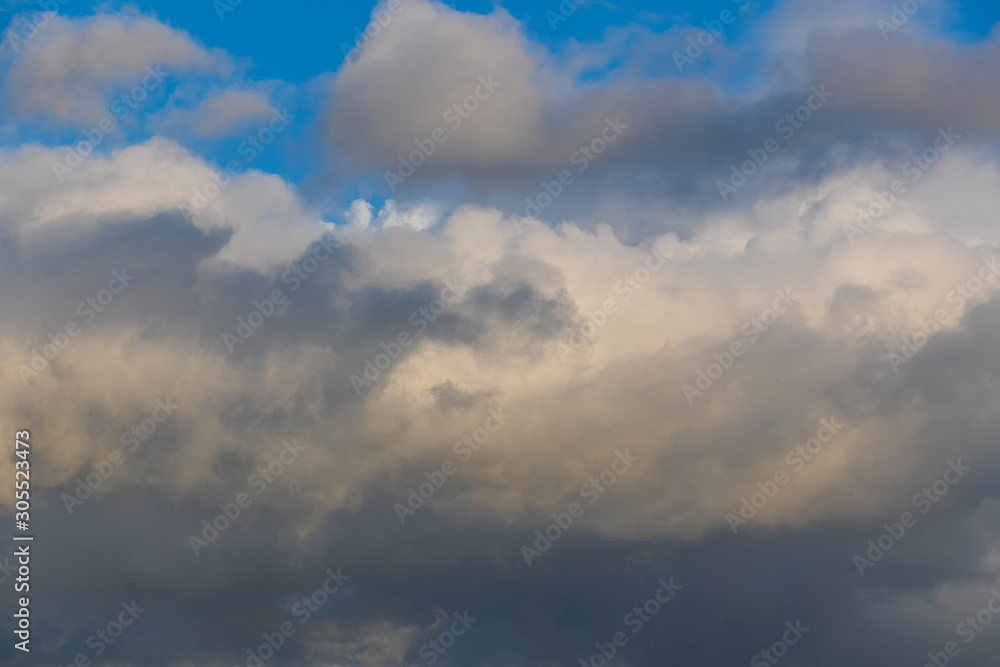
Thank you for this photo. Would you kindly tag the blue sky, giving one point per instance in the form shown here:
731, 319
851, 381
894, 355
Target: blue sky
298, 44
298, 49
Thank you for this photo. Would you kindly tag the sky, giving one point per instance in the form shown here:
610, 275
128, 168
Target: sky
501, 335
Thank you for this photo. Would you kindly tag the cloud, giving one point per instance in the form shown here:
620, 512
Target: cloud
71, 67
891, 89
221, 113
269, 224
519, 332
683, 136
441, 352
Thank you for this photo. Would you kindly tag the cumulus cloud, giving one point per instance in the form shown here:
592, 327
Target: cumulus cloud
519, 330
683, 135
521, 297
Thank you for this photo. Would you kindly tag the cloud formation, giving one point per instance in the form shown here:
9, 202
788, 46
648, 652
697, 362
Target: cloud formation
521, 423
